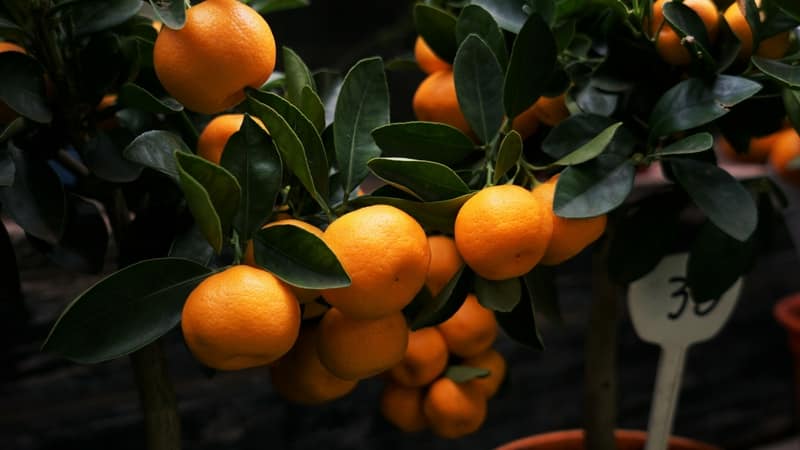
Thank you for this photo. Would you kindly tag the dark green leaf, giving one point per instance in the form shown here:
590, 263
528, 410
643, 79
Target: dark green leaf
172, 13
22, 86
270, 6
16, 126
695, 143
782, 72
789, 7
508, 155
479, 83
428, 181
520, 323
427, 311
716, 261
125, 311
298, 257
574, 132
90, 16
686, 22
311, 105
533, 59
135, 96
251, 156
540, 285
591, 149
424, 140
475, 19
329, 84
509, 14
156, 149
193, 246
439, 215
212, 194
462, 374
36, 199
791, 101
721, 197
103, 156
593, 188
437, 28
297, 76
501, 296
363, 105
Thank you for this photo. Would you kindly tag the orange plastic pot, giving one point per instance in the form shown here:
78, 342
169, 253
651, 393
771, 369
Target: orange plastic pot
573, 440
787, 313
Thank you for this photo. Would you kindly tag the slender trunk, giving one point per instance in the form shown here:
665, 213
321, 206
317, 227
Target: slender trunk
600, 380
161, 421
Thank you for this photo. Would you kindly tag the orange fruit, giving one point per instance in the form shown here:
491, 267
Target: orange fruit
435, 101
385, 252
503, 231
354, 349
427, 59
300, 377
215, 135
527, 122
224, 47
493, 361
402, 407
453, 410
303, 295
7, 114
551, 110
425, 358
772, 47
570, 236
445, 263
471, 330
240, 317
757, 152
668, 42
786, 149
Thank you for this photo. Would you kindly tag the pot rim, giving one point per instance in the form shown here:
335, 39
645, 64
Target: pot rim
787, 312
576, 436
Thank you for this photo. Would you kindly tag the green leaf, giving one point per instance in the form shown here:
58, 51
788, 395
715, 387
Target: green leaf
593, 188
695, 143
125, 311
14, 128
574, 132
716, 261
427, 311
363, 105
135, 96
508, 155
437, 28
533, 59
156, 149
297, 140
251, 156
479, 80
426, 180
686, 23
212, 194
297, 76
90, 16
509, 14
102, 154
193, 246
440, 215
22, 86
791, 101
789, 7
520, 323
299, 258
591, 149
721, 197
782, 72
431, 141
462, 374
311, 105
501, 296
271, 6
540, 286
172, 13
36, 199
475, 19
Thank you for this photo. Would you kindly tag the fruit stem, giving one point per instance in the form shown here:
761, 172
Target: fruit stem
157, 395
600, 380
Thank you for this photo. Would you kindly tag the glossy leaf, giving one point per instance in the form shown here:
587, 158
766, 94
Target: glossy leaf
593, 188
591, 149
102, 154
193, 246
251, 156
533, 59
695, 143
89, 16
479, 82
508, 155
501, 296
431, 141
721, 197
685, 21
172, 13
791, 101
135, 96
212, 194
427, 311
462, 374
509, 14
12, 129
520, 323
439, 215
428, 181
297, 74
156, 149
574, 132
271, 6
22, 86
363, 105
475, 19
36, 200
716, 261
329, 84
437, 28
311, 105
298, 257
140, 312
780, 71
540, 286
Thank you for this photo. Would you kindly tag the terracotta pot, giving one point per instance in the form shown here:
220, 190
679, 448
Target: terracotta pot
573, 440
787, 313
